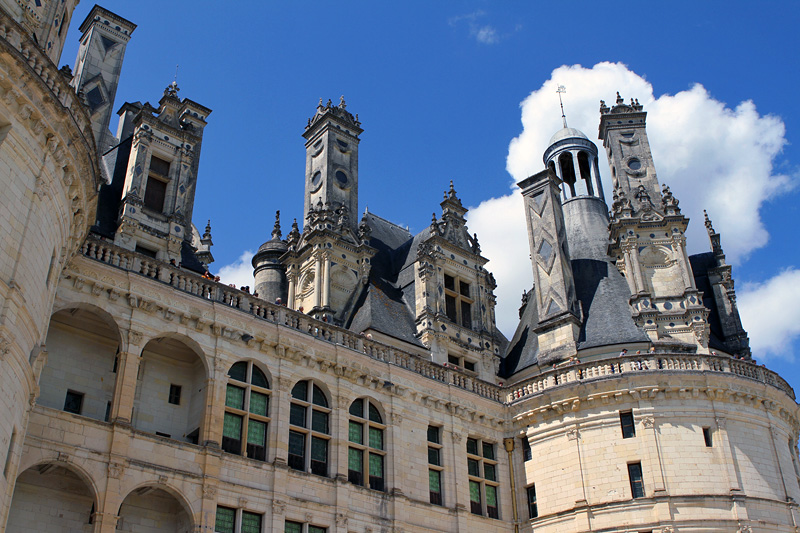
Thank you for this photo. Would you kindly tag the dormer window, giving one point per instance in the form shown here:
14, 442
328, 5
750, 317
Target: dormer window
457, 301
156, 190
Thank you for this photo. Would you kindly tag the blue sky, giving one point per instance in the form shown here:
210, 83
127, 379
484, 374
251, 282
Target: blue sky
464, 91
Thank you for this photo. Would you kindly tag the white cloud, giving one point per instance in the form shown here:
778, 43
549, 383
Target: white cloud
240, 272
711, 156
485, 34
770, 314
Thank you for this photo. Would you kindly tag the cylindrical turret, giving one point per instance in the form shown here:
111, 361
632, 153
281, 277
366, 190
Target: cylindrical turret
573, 157
269, 272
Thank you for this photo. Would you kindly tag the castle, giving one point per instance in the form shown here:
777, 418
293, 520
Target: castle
362, 386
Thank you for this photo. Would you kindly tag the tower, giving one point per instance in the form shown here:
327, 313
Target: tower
327, 264
270, 273
157, 195
647, 233
332, 160
104, 37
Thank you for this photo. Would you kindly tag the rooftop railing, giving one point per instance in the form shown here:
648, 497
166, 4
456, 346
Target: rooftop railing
563, 374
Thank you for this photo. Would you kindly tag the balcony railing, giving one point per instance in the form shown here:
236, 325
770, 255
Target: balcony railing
191, 283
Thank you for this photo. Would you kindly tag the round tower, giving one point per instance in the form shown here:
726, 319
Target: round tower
573, 158
269, 272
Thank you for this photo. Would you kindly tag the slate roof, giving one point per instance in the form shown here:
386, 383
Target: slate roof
382, 304
701, 264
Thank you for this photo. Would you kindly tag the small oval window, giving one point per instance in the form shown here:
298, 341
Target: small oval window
634, 164
341, 177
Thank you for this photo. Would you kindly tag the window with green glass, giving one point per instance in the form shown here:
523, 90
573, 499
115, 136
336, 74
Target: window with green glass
309, 419
366, 430
482, 471
315, 529
251, 522
356, 432
246, 411
293, 527
225, 521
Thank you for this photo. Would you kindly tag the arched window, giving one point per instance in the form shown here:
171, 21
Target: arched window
567, 172
246, 411
309, 429
366, 455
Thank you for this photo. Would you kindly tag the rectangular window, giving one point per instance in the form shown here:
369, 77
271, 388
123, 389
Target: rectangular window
449, 283
234, 397
435, 485
315, 529
375, 471
450, 308
251, 522
533, 510
453, 360
154, 194
257, 440
319, 421
434, 434
175, 394
707, 437
376, 438
637, 484
356, 432
475, 497
108, 411
293, 527
73, 403
232, 433
466, 314
297, 415
434, 456
626, 421
297, 450
226, 520
159, 167
319, 456
469, 365
259, 403
355, 466
491, 502
527, 455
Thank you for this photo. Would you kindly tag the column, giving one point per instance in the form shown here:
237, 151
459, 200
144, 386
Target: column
326, 281
598, 185
292, 277
214, 414
125, 387
637, 267
318, 281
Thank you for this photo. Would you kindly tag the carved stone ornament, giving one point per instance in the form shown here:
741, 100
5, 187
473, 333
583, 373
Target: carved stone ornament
648, 422
115, 470
573, 434
456, 437
668, 529
721, 421
134, 338
278, 507
744, 529
341, 519
209, 492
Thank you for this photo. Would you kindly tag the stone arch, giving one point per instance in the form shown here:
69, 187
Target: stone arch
53, 496
155, 508
83, 344
171, 388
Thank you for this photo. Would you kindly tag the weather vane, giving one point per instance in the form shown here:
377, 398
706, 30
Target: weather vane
561, 90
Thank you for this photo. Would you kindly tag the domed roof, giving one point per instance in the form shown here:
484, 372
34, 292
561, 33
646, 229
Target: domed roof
567, 133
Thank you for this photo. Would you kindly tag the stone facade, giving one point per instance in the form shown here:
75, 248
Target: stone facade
138, 394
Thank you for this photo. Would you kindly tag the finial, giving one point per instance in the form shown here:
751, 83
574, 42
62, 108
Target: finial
366, 210
561, 90
207, 233
176, 74
276, 230
329, 103
320, 102
452, 192
620, 101
341, 102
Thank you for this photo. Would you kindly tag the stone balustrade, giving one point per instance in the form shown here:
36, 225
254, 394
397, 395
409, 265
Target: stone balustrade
563, 374
567, 373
